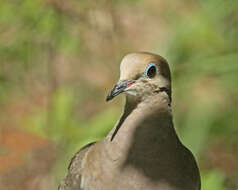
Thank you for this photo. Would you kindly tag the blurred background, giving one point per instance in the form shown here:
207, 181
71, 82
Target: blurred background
59, 59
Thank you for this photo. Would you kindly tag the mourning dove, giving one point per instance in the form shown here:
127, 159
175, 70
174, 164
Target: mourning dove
142, 151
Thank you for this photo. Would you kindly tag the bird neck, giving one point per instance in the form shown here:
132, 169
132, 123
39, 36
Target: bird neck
142, 125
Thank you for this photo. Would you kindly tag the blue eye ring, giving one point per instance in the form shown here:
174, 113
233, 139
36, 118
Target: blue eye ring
151, 70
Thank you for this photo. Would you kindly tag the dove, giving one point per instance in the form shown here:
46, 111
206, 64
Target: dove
142, 151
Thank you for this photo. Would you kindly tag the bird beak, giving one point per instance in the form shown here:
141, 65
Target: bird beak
119, 88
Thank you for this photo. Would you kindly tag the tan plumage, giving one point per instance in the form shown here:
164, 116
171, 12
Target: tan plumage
142, 151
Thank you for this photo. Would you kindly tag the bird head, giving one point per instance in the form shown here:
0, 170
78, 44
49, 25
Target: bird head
142, 75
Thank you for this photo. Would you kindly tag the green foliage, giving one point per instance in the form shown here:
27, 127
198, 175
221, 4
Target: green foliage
213, 180
67, 130
203, 52
62, 126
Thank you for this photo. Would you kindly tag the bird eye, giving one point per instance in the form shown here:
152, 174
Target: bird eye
151, 70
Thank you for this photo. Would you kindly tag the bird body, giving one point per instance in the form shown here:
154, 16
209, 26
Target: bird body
142, 151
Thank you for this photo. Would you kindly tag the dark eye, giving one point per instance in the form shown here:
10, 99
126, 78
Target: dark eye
151, 70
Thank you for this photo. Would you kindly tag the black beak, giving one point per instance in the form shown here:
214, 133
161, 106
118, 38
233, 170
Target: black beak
118, 89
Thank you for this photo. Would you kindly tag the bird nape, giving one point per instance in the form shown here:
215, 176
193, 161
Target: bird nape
142, 151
